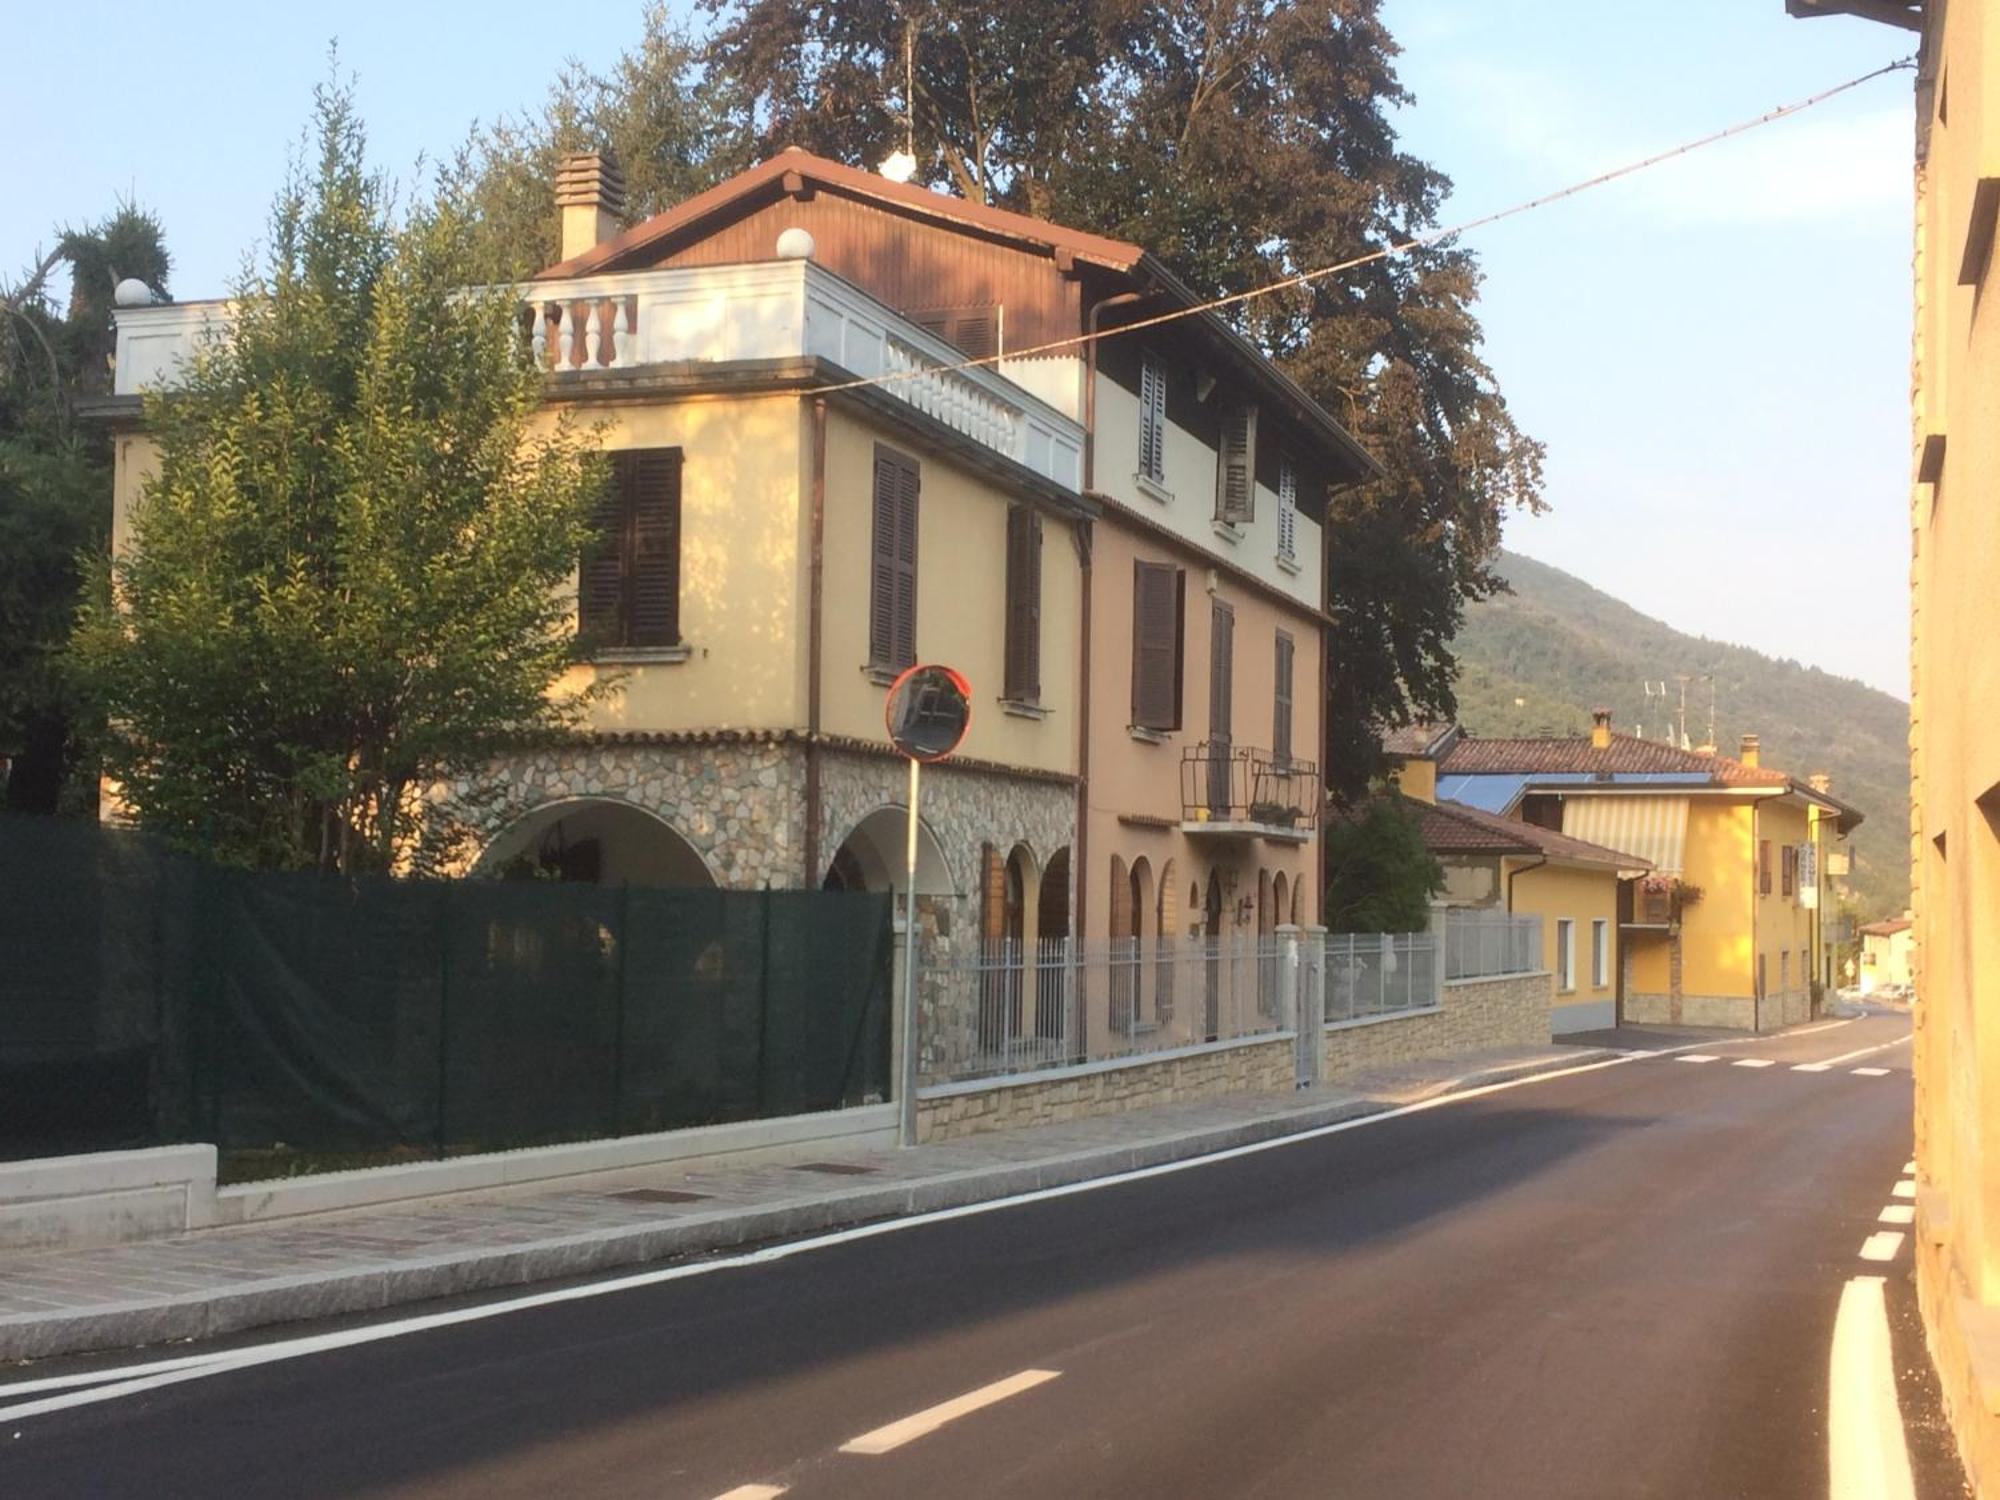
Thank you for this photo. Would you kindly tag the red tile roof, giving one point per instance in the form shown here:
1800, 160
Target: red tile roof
1886, 929
617, 253
1575, 753
1419, 740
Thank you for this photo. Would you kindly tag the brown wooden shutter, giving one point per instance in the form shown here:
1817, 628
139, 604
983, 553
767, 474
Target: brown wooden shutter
973, 330
600, 592
1024, 605
1236, 465
651, 480
1156, 631
1281, 725
892, 582
628, 582
1221, 671
1764, 867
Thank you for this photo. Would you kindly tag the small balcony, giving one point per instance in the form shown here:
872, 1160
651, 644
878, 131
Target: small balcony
1239, 791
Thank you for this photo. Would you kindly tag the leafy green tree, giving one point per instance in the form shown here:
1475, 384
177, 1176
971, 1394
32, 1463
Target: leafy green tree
345, 586
55, 488
1379, 875
1243, 142
674, 130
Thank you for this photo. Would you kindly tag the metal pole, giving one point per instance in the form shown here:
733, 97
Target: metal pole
906, 1072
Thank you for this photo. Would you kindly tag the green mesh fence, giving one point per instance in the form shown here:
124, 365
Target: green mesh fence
302, 1022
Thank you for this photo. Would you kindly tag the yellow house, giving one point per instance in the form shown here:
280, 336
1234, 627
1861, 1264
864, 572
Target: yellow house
856, 424
1725, 930
1576, 889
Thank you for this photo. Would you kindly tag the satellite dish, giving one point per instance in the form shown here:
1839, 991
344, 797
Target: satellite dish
929, 710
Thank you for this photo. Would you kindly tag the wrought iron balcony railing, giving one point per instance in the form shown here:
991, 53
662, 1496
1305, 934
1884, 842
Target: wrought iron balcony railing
1226, 787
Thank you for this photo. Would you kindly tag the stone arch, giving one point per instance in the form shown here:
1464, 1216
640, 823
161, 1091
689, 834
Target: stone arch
1281, 900
598, 840
1298, 901
872, 856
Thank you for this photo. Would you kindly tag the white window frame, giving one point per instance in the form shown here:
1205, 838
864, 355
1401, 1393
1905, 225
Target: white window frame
1600, 953
1565, 954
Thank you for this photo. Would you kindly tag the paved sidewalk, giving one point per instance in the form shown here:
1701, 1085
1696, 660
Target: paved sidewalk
222, 1281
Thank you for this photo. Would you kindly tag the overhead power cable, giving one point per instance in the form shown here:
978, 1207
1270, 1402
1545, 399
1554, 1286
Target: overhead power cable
1401, 247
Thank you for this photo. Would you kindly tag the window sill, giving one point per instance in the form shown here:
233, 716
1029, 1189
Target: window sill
640, 656
1146, 736
1152, 489
1021, 708
1229, 531
881, 676
1287, 563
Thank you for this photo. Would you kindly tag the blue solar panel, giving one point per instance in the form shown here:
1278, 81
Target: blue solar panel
1488, 793
1662, 778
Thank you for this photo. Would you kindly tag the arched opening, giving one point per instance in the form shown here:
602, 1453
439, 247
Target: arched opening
1298, 901
1281, 903
1169, 934
1212, 930
1117, 956
1144, 930
873, 857
595, 840
1267, 950
1052, 928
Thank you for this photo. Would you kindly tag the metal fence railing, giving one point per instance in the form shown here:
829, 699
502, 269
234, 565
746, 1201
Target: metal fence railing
1480, 943
1380, 973
1008, 1008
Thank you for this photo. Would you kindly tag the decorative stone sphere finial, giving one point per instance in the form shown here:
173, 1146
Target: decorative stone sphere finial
795, 244
132, 292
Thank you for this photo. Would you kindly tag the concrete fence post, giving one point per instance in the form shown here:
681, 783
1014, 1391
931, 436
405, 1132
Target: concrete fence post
1312, 1006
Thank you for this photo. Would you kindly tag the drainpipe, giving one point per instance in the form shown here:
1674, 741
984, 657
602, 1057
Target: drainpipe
1081, 868
1514, 874
813, 637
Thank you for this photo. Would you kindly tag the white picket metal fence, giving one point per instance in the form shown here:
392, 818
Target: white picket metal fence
1380, 973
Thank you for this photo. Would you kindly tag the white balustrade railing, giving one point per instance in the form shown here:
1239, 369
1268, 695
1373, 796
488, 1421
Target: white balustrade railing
689, 315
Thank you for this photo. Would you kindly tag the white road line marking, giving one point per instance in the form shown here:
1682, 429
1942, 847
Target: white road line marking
1905, 1189
1865, 1051
1882, 1245
1696, 1057
1808, 1067
1898, 1213
132, 1380
888, 1439
1753, 1062
753, 1492
1823, 1026
1871, 1072
1866, 1455
1910, 1166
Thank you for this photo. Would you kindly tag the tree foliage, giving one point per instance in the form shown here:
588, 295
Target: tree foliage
344, 586
674, 129
55, 487
1242, 142
1379, 875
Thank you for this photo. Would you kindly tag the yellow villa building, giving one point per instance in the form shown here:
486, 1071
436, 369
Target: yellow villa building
1715, 873
829, 463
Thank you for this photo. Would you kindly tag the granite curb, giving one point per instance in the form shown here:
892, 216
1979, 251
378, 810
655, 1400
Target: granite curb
365, 1288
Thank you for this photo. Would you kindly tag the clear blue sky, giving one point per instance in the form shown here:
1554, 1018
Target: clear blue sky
1716, 352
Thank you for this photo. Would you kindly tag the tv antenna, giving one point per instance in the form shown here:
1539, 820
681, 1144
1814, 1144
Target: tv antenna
1684, 678
1656, 690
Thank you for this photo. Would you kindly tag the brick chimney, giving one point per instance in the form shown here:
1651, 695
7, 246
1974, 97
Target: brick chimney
1749, 754
1820, 781
1600, 728
590, 195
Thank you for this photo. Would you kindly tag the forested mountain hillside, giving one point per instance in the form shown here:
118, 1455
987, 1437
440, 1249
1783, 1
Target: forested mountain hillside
1538, 660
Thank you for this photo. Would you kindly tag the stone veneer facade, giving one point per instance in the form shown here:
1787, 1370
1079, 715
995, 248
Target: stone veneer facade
1477, 1015
740, 804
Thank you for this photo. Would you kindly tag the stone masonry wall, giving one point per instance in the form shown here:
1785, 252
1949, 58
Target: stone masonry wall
1738, 1012
1254, 1067
1477, 1015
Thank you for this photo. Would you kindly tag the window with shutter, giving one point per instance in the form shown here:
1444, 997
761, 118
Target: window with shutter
892, 578
628, 583
1157, 604
1221, 704
1236, 466
1281, 726
1153, 419
1763, 867
973, 330
1288, 509
1024, 605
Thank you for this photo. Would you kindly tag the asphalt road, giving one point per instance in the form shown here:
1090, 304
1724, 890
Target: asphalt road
1619, 1282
